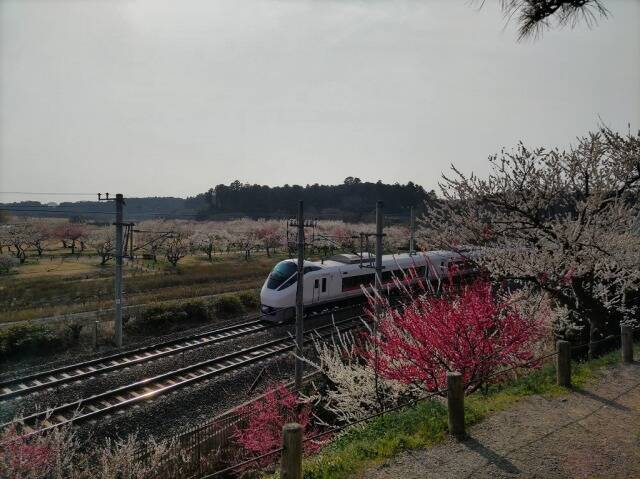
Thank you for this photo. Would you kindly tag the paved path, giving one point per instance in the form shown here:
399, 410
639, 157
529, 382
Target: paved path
591, 433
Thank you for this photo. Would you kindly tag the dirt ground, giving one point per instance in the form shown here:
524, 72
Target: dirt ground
593, 432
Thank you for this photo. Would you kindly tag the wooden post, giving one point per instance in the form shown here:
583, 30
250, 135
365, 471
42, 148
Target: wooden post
563, 364
455, 404
626, 338
291, 463
95, 335
198, 457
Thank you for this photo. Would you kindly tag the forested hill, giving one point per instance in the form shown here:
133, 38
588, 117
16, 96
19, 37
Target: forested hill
353, 200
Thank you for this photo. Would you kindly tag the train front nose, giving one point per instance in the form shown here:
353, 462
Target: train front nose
275, 296
268, 301
276, 306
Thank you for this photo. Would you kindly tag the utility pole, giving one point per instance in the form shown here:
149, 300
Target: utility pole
300, 224
378, 309
299, 300
118, 285
379, 235
412, 227
377, 293
119, 199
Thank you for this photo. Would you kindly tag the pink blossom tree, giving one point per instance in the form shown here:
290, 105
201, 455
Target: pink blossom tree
69, 234
270, 234
20, 458
473, 332
262, 432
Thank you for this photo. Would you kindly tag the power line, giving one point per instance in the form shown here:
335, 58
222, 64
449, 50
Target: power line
45, 193
53, 209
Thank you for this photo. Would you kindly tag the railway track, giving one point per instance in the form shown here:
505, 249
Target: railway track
108, 402
52, 378
27, 384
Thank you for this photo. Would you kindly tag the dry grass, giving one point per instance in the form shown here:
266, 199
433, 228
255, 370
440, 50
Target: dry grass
81, 286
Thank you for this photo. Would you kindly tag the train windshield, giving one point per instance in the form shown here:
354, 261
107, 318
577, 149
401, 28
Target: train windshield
282, 272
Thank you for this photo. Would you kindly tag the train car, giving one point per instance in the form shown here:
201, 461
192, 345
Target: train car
341, 278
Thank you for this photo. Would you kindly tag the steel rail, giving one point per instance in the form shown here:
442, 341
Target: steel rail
103, 403
23, 385
51, 378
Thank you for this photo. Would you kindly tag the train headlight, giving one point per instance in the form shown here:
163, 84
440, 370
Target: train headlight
266, 309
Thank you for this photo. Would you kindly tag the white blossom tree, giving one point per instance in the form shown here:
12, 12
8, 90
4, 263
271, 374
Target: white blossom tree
205, 240
40, 233
19, 237
352, 394
176, 247
102, 240
245, 235
564, 221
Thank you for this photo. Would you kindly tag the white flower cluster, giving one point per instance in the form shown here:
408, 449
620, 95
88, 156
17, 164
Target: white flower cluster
565, 221
352, 394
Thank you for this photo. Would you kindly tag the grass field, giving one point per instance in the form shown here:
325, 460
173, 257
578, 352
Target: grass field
425, 423
39, 301
71, 284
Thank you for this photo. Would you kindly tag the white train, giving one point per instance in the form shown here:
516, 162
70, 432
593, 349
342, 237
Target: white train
341, 278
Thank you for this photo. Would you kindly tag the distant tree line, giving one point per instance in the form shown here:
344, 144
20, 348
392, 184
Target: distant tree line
353, 200
79, 211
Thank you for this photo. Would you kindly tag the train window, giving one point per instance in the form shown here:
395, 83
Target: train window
324, 285
293, 278
281, 272
387, 276
315, 284
354, 282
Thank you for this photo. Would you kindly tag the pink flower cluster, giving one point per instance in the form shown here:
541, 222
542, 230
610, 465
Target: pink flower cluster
21, 458
262, 432
469, 331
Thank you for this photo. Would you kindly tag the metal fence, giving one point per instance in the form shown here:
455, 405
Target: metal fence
204, 449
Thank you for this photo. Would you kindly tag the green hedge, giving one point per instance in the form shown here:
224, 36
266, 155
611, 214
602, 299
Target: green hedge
29, 339
167, 317
228, 306
250, 299
35, 339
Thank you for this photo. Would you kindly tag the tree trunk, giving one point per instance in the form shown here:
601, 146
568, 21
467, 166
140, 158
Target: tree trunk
104, 258
597, 315
596, 334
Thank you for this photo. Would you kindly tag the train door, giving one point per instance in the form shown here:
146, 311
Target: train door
320, 288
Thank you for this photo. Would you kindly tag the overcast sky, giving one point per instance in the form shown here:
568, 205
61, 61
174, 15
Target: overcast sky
169, 98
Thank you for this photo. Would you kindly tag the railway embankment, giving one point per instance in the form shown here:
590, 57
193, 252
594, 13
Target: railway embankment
160, 388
